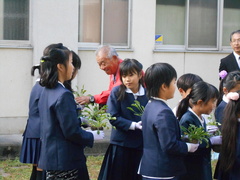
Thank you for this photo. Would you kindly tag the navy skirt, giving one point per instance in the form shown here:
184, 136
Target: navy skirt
30, 151
120, 163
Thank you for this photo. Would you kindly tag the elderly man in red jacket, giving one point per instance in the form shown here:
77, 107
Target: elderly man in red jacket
108, 61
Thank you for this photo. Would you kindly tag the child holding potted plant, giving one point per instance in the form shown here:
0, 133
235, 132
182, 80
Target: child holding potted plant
201, 100
123, 156
163, 149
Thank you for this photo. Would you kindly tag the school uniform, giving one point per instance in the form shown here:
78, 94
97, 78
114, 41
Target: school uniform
163, 150
220, 109
31, 145
198, 164
63, 140
122, 158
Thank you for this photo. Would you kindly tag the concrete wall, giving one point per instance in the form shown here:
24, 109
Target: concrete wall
51, 23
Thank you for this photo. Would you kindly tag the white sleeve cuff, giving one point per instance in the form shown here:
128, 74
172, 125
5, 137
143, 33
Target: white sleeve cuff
133, 125
188, 146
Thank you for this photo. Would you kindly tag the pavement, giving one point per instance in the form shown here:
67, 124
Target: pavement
10, 146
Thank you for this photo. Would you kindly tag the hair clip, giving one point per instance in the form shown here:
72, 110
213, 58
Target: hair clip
233, 96
42, 61
223, 74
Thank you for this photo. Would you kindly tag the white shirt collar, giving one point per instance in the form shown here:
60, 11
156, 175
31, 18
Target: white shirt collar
200, 119
225, 99
140, 92
160, 99
236, 56
61, 84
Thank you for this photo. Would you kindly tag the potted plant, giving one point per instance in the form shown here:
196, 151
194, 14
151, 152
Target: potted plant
138, 106
194, 134
97, 117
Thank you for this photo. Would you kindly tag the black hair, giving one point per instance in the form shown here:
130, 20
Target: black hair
49, 72
200, 91
37, 66
234, 32
229, 129
157, 75
76, 61
229, 82
186, 81
129, 66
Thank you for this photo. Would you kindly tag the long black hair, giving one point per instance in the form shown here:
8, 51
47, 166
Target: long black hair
76, 61
49, 72
129, 66
200, 91
229, 128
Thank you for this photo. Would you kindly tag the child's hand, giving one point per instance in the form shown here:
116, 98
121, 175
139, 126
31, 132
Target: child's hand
192, 147
138, 125
216, 140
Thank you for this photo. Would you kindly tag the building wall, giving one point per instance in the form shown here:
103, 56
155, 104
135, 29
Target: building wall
53, 24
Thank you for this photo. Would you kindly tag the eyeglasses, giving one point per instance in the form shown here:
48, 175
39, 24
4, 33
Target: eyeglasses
236, 41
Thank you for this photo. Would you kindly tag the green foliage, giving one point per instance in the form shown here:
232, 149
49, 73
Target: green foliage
195, 134
97, 116
80, 92
213, 122
138, 106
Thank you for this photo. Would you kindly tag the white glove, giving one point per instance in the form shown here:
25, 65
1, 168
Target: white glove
84, 122
97, 135
216, 140
192, 147
212, 128
138, 125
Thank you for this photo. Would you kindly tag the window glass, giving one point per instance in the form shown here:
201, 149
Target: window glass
90, 21
231, 22
112, 29
115, 29
14, 20
202, 28
170, 21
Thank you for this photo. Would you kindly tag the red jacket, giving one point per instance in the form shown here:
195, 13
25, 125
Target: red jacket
102, 98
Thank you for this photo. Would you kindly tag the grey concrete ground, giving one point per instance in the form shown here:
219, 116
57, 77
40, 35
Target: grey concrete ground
10, 145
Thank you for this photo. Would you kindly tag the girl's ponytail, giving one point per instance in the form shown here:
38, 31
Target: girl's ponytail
37, 66
183, 107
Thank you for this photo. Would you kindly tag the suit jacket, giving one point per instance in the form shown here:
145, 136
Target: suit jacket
198, 163
32, 129
163, 150
121, 135
229, 64
62, 138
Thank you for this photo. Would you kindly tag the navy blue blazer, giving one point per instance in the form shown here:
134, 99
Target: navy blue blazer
198, 163
229, 64
163, 150
219, 111
32, 129
62, 138
121, 135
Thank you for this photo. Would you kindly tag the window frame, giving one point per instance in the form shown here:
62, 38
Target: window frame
186, 48
86, 45
20, 43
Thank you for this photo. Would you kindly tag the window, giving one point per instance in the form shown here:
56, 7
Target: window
195, 25
231, 14
14, 19
104, 22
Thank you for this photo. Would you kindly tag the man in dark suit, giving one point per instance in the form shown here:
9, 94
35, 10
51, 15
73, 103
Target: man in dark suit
232, 61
